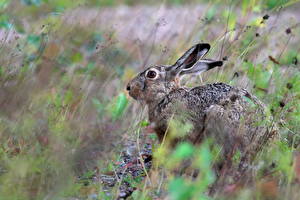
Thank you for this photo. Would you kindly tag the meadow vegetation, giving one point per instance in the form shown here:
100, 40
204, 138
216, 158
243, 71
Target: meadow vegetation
65, 116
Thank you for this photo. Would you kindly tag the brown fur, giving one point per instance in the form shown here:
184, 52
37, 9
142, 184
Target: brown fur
232, 116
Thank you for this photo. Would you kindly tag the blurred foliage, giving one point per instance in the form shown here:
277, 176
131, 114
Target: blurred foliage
64, 109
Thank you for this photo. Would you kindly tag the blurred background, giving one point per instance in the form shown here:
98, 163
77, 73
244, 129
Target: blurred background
64, 65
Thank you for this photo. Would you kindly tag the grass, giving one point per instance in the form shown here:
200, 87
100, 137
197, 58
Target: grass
65, 113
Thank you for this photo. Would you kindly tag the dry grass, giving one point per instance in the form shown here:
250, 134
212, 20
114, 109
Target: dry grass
62, 84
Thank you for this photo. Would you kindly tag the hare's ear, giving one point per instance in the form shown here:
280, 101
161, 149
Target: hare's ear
189, 58
201, 66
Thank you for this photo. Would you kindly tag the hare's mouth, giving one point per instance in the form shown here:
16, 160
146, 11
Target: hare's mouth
134, 94
134, 97
135, 89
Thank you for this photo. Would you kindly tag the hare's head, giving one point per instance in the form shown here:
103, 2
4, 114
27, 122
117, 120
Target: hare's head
157, 81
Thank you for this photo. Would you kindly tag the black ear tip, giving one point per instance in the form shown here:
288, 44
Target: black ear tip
203, 46
215, 64
206, 45
219, 63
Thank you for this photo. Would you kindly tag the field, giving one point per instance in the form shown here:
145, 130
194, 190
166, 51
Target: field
66, 120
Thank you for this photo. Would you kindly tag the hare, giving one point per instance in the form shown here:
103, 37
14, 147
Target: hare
232, 116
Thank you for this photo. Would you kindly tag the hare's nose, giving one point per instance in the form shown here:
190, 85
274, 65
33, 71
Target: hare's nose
128, 87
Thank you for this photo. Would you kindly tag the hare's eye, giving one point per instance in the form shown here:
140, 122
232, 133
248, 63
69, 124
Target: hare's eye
151, 74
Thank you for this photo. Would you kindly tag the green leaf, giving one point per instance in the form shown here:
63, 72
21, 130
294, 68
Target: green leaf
3, 4
179, 127
205, 157
258, 74
34, 39
4, 22
211, 13
270, 4
1, 71
68, 97
237, 156
251, 103
144, 123
90, 67
153, 136
179, 190
183, 151
290, 57
77, 57
119, 106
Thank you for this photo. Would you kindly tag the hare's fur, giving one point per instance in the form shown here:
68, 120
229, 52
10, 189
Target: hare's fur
230, 115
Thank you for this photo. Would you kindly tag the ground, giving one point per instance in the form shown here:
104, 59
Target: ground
65, 116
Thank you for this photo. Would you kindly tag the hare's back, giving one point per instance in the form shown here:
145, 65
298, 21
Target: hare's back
195, 100
238, 118
210, 94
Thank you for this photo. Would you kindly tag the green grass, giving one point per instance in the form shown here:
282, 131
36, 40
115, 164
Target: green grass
64, 110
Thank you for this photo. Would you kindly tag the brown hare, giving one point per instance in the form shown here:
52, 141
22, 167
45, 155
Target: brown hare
232, 116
